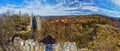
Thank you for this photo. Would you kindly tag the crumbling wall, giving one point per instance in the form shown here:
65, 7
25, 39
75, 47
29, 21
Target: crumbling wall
38, 20
32, 45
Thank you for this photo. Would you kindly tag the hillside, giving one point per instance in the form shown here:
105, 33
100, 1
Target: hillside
93, 32
106, 38
80, 29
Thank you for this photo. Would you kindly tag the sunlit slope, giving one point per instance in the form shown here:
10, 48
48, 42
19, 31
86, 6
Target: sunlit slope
79, 29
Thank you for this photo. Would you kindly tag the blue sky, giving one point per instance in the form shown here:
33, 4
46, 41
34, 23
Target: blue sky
62, 7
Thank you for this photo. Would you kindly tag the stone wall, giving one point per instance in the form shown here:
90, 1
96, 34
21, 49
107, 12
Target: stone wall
38, 20
38, 23
32, 45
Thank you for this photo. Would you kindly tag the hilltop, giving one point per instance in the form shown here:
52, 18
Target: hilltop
88, 31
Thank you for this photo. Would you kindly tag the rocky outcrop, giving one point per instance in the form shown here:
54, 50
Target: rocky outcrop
32, 45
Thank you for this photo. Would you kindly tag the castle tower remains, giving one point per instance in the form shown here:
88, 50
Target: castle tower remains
38, 20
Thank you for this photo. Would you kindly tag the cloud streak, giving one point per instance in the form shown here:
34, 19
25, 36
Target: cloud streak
38, 8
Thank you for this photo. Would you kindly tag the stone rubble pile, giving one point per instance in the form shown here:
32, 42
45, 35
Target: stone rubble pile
31, 45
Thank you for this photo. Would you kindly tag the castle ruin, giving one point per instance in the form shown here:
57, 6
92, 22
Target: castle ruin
35, 23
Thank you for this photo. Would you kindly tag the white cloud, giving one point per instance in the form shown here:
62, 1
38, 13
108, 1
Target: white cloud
91, 8
117, 2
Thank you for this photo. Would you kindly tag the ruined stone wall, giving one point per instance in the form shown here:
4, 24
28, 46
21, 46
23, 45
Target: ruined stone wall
38, 20
31, 45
